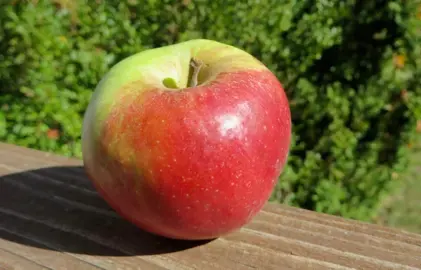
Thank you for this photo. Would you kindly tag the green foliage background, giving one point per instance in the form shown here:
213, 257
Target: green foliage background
351, 70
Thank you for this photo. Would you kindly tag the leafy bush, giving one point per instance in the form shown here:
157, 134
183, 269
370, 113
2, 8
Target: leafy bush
351, 69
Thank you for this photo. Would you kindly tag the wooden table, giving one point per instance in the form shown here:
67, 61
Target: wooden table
52, 218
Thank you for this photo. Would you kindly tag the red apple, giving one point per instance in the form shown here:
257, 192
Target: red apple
187, 141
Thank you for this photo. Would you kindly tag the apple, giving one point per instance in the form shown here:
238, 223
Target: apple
187, 141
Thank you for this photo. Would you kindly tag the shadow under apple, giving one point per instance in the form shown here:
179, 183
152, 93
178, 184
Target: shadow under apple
57, 208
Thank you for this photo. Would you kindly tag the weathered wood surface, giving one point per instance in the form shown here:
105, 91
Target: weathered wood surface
52, 218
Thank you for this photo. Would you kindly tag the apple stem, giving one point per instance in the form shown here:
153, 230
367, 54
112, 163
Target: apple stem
196, 66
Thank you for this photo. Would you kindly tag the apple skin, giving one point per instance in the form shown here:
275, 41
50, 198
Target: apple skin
194, 162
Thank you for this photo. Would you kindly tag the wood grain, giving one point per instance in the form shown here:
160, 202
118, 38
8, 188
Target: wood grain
52, 218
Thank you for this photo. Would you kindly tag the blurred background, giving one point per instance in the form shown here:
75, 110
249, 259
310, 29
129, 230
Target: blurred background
351, 69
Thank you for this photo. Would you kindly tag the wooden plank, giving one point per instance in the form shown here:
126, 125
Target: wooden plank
52, 218
42, 257
12, 261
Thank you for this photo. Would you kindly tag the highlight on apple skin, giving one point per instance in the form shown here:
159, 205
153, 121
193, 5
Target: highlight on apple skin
187, 141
